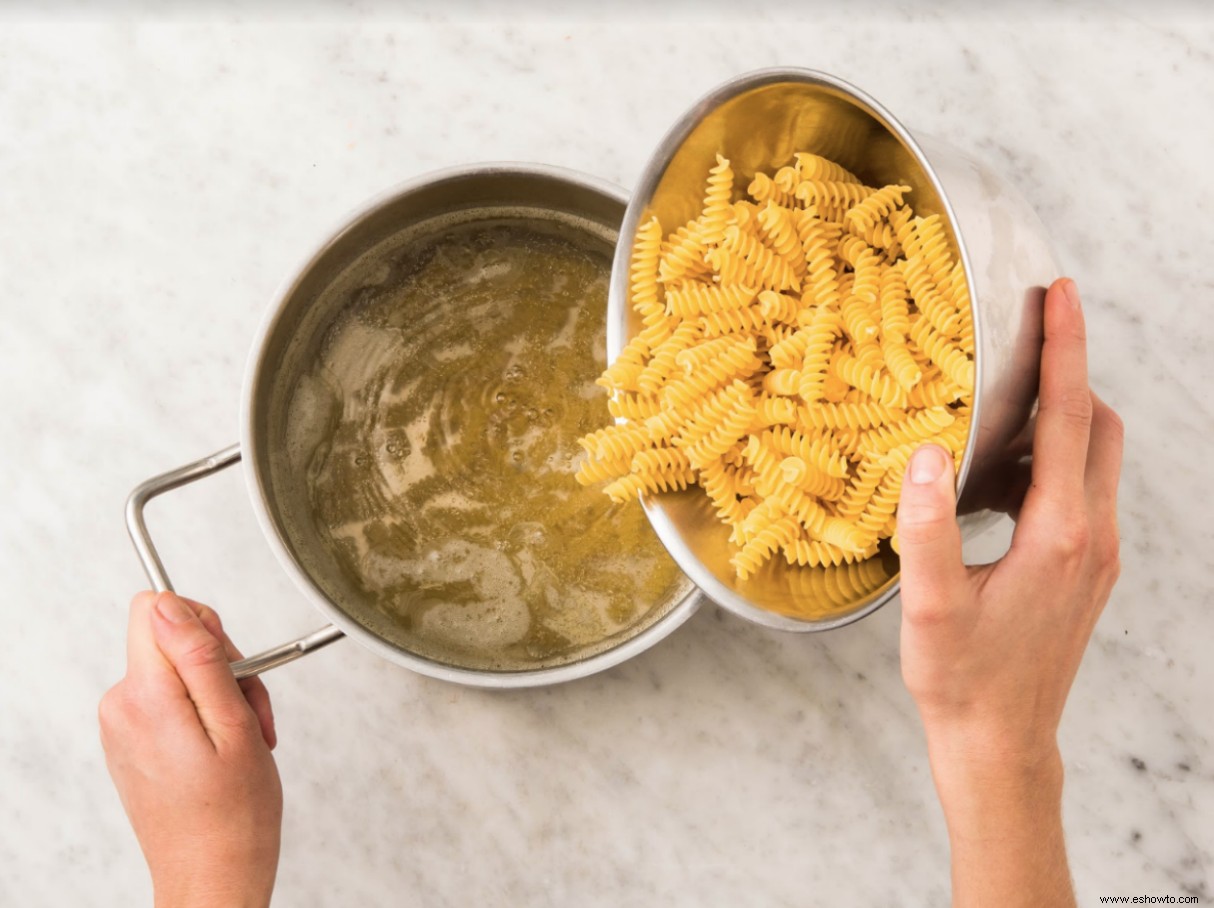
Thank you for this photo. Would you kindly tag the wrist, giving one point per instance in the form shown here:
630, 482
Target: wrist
223, 896
223, 885
997, 794
1003, 809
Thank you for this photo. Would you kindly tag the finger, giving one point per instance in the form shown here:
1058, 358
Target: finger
1064, 416
255, 691
1104, 457
144, 660
928, 536
201, 662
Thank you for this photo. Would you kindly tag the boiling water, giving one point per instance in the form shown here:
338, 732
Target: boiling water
437, 432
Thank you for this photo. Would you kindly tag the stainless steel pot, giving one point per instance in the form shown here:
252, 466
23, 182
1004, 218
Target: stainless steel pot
294, 326
758, 121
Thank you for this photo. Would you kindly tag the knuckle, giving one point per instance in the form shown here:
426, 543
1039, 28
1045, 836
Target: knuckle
1108, 552
203, 650
1073, 406
1071, 538
1112, 424
114, 709
240, 719
923, 523
928, 603
210, 620
924, 611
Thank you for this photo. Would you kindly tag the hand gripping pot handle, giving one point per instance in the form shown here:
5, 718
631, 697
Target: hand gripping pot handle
154, 568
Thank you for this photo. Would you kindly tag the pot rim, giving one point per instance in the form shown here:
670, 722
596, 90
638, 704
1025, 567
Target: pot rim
258, 491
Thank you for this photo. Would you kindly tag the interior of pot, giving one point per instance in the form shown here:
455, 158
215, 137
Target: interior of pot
368, 369
759, 122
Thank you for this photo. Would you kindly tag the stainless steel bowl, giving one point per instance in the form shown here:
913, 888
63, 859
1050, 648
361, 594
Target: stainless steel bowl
287, 343
758, 120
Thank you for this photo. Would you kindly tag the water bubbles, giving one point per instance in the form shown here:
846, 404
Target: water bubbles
517, 456
361, 460
395, 448
501, 397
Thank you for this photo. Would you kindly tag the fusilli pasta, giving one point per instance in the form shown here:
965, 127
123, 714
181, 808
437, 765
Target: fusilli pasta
797, 345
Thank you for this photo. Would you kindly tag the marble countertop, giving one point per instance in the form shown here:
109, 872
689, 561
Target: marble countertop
158, 178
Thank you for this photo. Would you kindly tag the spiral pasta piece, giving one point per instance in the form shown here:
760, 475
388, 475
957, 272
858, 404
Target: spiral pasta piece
622, 375
634, 484
813, 553
850, 415
747, 320
815, 450
682, 256
619, 442
929, 300
918, 425
717, 207
786, 382
646, 292
764, 189
692, 300
876, 207
831, 198
737, 360
664, 360
636, 407
726, 491
779, 307
592, 470
771, 270
769, 539
779, 230
727, 421
948, 356
881, 388
774, 411
660, 460
815, 167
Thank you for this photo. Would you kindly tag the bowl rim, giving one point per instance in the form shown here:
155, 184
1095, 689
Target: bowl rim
617, 306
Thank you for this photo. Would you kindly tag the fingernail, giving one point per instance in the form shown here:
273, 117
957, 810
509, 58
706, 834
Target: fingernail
927, 465
1072, 292
171, 608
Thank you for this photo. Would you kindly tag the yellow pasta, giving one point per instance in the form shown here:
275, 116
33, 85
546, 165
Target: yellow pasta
800, 339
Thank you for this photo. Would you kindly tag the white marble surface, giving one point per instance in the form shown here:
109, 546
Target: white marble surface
157, 180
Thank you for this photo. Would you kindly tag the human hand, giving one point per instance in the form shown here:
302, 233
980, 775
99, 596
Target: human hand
989, 652
189, 748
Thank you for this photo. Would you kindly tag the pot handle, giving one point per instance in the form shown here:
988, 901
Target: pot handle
152, 566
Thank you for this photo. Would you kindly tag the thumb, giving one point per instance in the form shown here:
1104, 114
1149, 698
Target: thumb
201, 662
928, 537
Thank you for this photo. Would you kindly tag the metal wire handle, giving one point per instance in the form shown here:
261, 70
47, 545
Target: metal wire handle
159, 578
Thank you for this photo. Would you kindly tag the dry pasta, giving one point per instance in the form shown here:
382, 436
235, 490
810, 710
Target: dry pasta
798, 344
